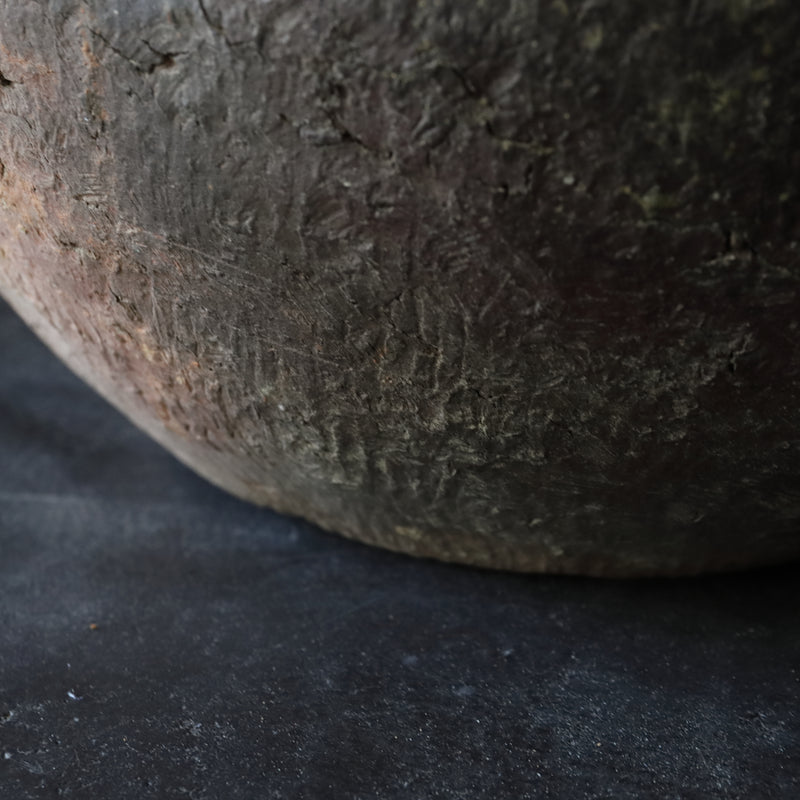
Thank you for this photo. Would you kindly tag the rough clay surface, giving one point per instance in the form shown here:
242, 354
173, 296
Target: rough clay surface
509, 283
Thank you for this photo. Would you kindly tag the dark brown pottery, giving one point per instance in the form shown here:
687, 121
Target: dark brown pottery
506, 283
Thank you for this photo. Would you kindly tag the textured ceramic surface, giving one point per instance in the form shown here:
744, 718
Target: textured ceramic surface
510, 284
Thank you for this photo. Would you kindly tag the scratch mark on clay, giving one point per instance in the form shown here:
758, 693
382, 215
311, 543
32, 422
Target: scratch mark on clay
128, 230
493, 299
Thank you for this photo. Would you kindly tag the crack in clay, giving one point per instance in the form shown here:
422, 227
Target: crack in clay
166, 58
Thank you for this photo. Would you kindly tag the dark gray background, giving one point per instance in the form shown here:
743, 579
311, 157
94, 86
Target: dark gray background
160, 639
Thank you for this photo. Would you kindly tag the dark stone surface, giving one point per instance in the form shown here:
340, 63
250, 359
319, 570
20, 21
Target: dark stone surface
160, 639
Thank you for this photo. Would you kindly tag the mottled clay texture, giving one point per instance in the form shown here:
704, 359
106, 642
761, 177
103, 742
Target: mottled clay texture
506, 283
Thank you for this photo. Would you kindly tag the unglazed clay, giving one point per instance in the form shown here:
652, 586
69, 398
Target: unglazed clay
513, 284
